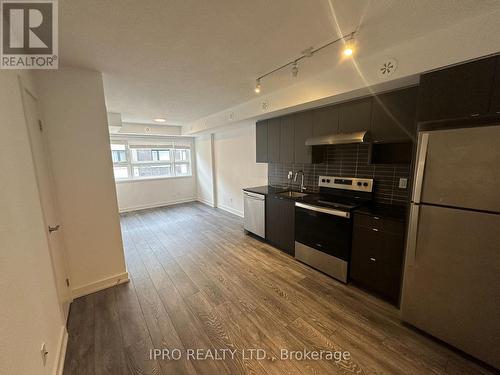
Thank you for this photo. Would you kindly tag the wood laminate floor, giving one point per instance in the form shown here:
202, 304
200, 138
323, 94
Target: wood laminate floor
198, 282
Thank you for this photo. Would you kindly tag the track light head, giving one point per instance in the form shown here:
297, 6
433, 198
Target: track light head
295, 69
349, 45
257, 86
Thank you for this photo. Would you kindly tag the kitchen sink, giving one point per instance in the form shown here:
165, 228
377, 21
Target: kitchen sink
293, 194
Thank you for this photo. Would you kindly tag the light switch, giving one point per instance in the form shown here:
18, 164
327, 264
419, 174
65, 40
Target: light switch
403, 183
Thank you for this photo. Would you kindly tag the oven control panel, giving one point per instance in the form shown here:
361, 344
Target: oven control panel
346, 183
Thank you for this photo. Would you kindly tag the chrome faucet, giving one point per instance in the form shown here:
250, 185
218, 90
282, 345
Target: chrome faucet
302, 187
289, 178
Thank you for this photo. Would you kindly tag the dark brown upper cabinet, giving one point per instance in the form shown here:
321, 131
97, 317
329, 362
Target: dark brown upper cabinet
393, 116
355, 116
303, 130
325, 121
495, 99
391, 152
461, 91
273, 140
261, 141
287, 143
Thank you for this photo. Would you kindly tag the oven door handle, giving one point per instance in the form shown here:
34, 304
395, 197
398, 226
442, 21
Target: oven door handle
328, 211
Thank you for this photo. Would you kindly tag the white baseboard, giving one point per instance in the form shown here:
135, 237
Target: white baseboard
61, 351
156, 205
205, 201
100, 285
231, 210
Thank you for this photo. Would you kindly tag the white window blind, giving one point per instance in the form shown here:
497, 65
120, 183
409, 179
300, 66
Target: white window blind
138, 158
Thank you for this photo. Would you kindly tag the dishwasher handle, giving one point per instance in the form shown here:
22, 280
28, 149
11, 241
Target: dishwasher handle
254, 196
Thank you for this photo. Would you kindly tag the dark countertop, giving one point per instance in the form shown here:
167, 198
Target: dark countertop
388, 211
275, 191
265, 190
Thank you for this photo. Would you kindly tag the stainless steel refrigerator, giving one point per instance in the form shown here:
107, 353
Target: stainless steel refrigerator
451, 283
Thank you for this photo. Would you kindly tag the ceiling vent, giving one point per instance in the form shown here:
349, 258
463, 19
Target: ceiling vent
387, 68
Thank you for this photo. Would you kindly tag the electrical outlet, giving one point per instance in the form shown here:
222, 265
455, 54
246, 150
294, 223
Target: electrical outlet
403, 183
45, 353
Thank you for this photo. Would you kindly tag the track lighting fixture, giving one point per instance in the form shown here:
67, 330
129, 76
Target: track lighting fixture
295, 69
347, 51
257, 86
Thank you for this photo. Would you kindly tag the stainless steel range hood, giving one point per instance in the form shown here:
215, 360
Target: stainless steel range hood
338, 139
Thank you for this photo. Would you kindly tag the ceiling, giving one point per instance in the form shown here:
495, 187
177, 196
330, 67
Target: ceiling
185, 59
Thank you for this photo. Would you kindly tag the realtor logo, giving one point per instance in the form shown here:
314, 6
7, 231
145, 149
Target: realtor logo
29, 31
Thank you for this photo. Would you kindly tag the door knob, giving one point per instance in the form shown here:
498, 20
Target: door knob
53, 229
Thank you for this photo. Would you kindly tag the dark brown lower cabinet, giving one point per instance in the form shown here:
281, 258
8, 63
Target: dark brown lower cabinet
377, 255
280, 223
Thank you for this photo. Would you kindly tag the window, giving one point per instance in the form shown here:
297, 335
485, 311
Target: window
146, 155
119, 156
118, 153
182, 159
144, 158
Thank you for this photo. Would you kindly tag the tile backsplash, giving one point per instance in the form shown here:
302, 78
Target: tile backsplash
349, 160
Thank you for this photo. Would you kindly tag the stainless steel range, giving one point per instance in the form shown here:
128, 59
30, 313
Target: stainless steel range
323, 226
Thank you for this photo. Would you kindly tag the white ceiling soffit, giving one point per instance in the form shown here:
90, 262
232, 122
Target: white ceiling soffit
184, 60
114, 122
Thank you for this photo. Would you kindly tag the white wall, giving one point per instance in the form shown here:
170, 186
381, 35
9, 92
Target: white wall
29, 313
235, 166
136, 195
204, 169
72, 102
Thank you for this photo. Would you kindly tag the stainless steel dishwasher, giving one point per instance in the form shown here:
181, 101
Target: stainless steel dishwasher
255, 213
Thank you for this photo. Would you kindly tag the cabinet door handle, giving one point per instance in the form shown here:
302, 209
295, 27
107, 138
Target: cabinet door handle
376, 217
474, 115
375, 229
373, 259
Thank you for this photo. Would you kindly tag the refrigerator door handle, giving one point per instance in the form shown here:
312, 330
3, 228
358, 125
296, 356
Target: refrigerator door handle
411, 241
423, 143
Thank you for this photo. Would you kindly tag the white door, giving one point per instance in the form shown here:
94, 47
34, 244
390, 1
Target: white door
47, 198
